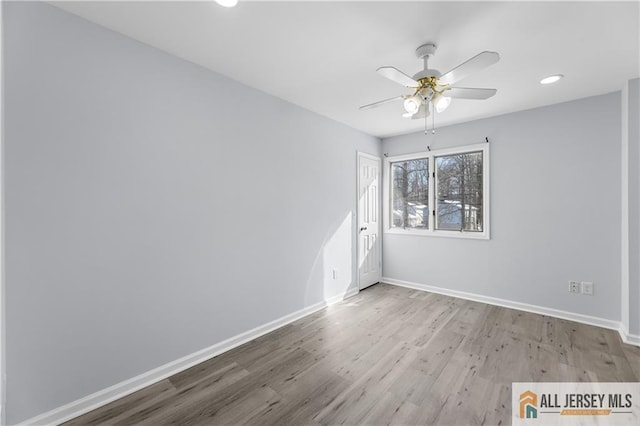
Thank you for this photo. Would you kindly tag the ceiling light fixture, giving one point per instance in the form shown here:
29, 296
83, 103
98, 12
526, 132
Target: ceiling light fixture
412, 104
433, 91
551, 79
440, 102
227, 3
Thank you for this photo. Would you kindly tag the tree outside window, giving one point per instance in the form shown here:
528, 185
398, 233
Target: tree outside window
459, 192
410, 194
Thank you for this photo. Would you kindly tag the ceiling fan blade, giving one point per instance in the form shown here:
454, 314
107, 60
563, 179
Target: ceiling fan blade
469, 93
398, 76
477, 63
386, 101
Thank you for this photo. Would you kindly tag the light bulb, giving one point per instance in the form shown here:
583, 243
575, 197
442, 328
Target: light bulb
412, 104
441, 102
227, 3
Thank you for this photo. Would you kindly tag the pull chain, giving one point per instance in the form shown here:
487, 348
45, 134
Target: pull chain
433, 121
426, 117
433, 124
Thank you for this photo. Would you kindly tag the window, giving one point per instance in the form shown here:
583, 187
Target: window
459, 187
410, 194
438, 193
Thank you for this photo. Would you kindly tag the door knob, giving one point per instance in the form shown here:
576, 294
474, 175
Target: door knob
364, 228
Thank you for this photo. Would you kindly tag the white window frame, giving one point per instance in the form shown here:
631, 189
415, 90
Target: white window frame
431, 155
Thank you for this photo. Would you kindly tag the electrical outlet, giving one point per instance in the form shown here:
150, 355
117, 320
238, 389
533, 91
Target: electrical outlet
574, 287
587, 288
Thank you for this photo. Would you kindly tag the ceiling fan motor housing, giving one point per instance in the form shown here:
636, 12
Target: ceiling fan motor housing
426, 73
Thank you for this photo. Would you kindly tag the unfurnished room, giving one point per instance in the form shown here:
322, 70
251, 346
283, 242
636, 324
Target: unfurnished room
256, 212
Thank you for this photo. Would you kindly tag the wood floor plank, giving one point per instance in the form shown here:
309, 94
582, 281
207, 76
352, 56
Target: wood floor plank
392, 410
125, 408
632, 354
191, 397
388, 355
365, 391
306, 395
416, 381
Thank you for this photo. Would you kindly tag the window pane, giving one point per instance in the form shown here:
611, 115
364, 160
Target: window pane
410, 194
459, 192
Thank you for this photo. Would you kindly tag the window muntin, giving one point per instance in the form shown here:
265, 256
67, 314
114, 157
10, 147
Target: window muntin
410, 194
459, 187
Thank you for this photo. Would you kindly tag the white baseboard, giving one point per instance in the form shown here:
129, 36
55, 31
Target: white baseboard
571, 316
631, 339
98, 399
350, 293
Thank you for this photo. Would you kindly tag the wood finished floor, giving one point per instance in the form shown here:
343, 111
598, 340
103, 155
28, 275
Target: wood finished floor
388, 355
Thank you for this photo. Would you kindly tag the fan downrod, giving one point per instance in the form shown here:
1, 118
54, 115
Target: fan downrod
424, 52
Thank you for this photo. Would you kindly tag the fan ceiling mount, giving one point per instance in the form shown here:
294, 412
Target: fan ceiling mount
431, 88
424, 52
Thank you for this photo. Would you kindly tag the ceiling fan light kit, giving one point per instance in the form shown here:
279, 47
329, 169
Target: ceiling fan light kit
433, 90
412, 104
441, 102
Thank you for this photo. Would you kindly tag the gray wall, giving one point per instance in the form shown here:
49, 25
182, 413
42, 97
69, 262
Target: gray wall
555, 210
2, 297
634, 207
153, 208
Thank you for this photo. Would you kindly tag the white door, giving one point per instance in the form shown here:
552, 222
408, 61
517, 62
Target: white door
369, 250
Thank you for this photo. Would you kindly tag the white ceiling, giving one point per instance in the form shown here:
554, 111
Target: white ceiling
323, 55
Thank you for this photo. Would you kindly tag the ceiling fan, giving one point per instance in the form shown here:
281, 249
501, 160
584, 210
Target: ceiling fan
431, 87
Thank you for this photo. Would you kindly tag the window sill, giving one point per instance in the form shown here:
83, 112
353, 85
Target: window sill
443, 234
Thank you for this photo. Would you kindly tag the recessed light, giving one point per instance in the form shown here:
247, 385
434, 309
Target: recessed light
551, 79
227, 3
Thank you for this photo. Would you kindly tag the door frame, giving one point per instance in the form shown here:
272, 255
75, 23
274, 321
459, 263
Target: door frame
360, 155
